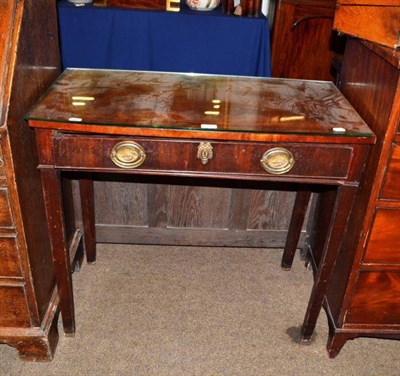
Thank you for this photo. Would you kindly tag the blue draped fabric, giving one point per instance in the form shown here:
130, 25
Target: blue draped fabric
188, 41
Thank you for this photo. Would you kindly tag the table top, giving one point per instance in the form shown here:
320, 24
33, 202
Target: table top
208, 103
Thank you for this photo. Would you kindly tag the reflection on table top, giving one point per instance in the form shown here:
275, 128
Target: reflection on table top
199, 102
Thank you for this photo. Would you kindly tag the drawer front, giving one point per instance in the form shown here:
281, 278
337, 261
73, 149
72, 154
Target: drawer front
9, 264
383, 244
391, 183
168, 155
14, 311
376, 299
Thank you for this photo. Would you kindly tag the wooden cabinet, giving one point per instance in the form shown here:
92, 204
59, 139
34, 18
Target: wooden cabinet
303, 43
28, 64
364, 298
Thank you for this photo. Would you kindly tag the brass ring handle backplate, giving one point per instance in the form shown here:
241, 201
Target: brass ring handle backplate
277, 161
128, 154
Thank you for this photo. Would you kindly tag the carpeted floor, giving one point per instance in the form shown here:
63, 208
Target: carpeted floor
153, 310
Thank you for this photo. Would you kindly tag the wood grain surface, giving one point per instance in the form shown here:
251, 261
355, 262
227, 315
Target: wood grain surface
380, 24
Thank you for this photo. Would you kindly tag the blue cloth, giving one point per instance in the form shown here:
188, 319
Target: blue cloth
188, 41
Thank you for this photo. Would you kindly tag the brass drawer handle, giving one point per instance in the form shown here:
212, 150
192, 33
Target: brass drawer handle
128, 154
205, 152
277, 161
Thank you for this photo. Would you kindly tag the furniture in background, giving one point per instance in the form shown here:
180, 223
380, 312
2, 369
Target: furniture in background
363, 299
172, 213
364, 296
298, 133
29, 62
303, 43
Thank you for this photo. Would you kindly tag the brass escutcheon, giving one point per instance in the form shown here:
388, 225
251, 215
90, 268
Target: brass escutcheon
277, 161
205, 152
128, 154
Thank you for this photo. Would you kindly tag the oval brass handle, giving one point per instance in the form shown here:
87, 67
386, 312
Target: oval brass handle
277, 161
205, 152
128, 154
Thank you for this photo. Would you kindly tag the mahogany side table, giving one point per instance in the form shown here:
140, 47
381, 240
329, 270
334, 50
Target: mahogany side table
287, 132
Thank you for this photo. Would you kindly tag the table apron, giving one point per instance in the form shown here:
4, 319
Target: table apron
313, 162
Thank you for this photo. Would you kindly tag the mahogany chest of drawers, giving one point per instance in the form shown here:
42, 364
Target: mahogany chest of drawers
364, 299
28, 298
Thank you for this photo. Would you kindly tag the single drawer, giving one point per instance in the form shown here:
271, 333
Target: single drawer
6, 219
202, 157
10, 264
383, 244
376, 300
391, 184
14, 310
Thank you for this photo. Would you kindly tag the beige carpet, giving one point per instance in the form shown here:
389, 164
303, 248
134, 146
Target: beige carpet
152, 310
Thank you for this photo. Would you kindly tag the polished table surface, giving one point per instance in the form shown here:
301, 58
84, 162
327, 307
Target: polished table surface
209, 103
187, 41
303, 133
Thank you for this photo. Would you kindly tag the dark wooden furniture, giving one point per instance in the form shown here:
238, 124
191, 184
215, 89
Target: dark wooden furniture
29, 62
303, 43
216, 127
373, 20
363, 299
